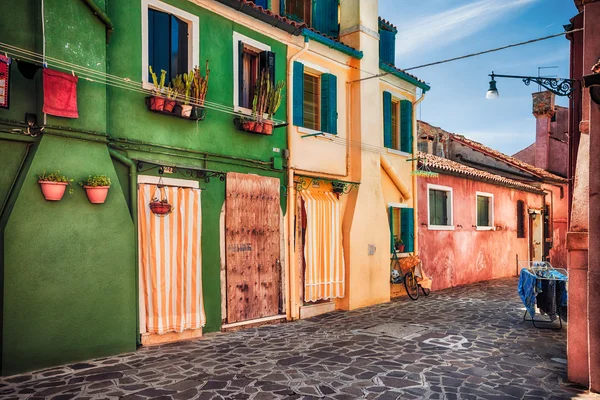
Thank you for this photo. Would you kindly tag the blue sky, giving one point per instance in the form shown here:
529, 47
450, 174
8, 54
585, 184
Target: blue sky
433, 30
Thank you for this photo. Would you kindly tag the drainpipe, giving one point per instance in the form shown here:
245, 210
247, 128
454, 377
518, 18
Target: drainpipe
133, 199
290, 265
414, 177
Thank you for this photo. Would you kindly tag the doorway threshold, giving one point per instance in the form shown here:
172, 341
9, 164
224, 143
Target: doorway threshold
253, 321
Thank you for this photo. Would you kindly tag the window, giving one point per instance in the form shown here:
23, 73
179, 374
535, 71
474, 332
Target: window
322, 15
401, 226
485, 211
520, 219
167, 36
314, 98
439, 207
299, 10
311, 102
397, 123
250, 58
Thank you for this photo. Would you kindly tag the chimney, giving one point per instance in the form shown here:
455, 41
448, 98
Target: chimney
543, 110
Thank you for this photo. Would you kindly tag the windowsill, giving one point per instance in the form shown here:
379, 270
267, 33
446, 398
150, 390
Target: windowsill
440, 227
148, 85
242, 110
485, 228
398, 152
307, 131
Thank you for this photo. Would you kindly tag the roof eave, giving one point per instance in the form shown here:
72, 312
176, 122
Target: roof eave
404, 76
272, 20
309, 34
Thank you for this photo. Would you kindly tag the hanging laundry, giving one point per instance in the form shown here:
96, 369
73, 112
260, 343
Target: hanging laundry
60, 94
527, 290
546, 300
4, 81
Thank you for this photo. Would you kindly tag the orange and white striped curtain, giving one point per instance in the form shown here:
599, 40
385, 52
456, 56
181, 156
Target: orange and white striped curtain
325, 272
171, 261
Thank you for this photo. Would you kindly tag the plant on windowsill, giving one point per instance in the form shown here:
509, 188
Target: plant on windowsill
185, 109
267, 99
171, 101
96, 188
199, 89
398, 244
53, 185
157, 101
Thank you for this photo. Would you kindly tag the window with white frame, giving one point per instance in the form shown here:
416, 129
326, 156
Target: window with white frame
485, 210
170, 40
250, 58
439, 207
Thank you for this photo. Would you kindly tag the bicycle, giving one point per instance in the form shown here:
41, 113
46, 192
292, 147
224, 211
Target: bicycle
409, 278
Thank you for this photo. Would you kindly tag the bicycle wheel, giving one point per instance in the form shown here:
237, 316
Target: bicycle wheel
425, 291
410, 283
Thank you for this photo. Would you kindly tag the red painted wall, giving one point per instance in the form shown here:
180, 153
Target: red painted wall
465, 255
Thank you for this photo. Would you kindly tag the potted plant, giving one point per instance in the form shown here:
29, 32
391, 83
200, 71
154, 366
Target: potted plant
398, 244
96, 187
184, 85
273, 103
267, 99
199, 89
170, 102
160, 207
157, 102
53, 185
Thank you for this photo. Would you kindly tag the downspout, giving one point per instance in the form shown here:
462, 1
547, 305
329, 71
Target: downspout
290, 265
101, 16
414, 177
133, 201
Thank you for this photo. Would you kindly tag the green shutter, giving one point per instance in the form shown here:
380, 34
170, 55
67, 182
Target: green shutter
406, 126
325, 17
387, 44
298, 101
391, 218
387, 119
483, 211
329, 103
407, 231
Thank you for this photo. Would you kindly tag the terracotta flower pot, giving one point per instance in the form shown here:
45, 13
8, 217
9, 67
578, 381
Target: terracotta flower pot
249, 126
400, 248
169, 104
96, 194
53, 191
157, 103
186, 110
267, 127
160, 208
258, 127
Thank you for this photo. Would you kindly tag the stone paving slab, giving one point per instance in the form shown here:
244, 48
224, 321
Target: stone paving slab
475, 345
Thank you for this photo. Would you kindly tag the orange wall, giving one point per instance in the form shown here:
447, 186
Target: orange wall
465, 255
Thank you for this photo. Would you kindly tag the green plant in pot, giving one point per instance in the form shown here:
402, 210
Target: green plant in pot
157, 101
183, 83
171, 100
53, 185
199, 89
267, 99
96, 187
398, 244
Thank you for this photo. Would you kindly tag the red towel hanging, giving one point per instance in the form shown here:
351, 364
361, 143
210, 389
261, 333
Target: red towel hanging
4, 80
60, 94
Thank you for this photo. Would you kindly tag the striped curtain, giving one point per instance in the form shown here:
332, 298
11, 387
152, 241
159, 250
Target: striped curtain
171, 261
324, 273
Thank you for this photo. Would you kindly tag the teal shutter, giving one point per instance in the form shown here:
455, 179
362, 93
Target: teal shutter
407, 233
263, 3
387, 119
391, 217
329, 103
406, 126
298, 101
325, 17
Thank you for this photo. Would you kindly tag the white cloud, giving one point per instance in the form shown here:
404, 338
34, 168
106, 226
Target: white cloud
455, 24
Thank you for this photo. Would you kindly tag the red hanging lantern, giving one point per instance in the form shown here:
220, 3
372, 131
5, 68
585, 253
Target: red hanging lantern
160, 206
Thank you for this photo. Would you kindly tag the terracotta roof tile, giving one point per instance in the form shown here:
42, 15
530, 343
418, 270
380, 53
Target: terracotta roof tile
388, 23
440, 164
426, 129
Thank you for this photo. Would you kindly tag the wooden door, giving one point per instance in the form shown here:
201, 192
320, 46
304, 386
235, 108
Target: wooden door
252, 235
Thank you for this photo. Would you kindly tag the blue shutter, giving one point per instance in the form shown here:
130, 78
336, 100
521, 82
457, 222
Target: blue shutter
407, 232
240, 76
266, 61
329, 103
391, 217
298, 88
387, 46
387, 119
406, 126
263, 3
179, 48
325, 17
159, 48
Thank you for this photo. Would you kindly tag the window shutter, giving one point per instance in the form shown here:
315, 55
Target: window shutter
520, 219
240, 76
407, 232
179, 47
267, 62
387, 119
263, 3
298, 100
159, 53
406, 129
329, 103
391, 218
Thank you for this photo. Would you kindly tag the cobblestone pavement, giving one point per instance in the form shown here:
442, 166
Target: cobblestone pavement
468, 342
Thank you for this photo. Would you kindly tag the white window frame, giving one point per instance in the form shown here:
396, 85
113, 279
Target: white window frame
193, 35
491, 227
238, 37
154, 180
450, 200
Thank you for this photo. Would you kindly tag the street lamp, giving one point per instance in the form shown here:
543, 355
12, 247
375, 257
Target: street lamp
560, 87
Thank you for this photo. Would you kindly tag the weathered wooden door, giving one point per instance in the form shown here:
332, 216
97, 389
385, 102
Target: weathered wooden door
253, 270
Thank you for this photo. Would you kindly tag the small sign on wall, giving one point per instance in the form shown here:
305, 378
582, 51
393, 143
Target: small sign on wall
372, 249
4, 80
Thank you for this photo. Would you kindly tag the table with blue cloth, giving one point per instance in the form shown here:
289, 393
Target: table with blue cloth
546, 288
